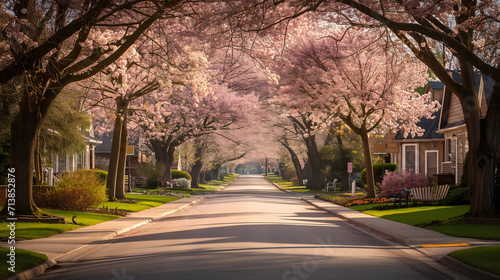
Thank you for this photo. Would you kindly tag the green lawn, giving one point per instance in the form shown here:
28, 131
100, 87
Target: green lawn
449, 220
423, 215
461, 228
210, 186
445, 219
145, 202
27, 259
40, 230
370, 206
279, 181
486, 258
24, 260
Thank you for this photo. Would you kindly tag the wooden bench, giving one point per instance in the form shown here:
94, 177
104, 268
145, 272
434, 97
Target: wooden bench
429, 194
402, 196
329, 186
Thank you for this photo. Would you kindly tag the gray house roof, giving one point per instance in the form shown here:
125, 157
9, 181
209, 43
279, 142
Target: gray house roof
436, 85
430, 126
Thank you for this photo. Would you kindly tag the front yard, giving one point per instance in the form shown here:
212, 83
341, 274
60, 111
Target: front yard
449, 220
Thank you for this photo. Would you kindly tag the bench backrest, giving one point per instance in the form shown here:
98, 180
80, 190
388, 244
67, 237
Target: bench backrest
431, 193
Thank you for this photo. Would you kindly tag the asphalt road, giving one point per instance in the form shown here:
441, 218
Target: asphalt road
250, 230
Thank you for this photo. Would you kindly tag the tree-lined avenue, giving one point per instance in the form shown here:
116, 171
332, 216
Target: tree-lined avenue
250, 230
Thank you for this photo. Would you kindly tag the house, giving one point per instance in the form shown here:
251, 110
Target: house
137, 150
75, 161
452, 123
442, 149
423, 154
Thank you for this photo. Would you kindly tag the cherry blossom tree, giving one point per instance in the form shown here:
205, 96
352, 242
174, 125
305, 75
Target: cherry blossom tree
190, 113
464, 31
49, 45
468, 32
137, 73
360, 78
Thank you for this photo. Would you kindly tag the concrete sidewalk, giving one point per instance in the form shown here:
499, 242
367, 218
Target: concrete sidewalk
432, 244
77, 242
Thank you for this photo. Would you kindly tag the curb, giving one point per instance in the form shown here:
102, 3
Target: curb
467, 269
37, 270
376, 230
33, 272
279, 187
450, 262
138, 224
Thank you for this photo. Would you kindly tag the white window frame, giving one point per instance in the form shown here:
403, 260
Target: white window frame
437, 160
416, 157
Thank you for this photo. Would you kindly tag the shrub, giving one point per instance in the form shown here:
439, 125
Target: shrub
151, 183
103, 175
176, 174
379, 171
289, 174
295, 181
42, 195
75, 191
183, 183
221, 176
457, 196
395, 181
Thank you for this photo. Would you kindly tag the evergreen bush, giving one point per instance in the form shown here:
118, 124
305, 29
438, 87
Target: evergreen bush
457, 196
176, 174
151, 183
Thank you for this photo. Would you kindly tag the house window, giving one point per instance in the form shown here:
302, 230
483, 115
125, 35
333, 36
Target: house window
61, 163
79, 163
70, 163
431, 162
410, 157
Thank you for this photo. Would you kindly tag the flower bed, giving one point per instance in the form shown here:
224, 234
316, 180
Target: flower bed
349, 201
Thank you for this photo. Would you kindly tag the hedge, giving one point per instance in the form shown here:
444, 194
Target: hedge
176, 174
379, 171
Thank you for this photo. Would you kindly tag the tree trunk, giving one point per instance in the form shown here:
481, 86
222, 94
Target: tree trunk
38, 162
217, 171
343, 163
202, 177
114, 158
162, 155
367, 156
296, 163
197, 166
24, 129
483, 137
122, 161
169, 160
317, 179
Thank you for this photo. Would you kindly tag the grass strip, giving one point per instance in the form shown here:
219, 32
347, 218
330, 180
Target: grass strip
145, 202
24, 260
41, 230
461, 228
278, 180
485, 258
424, 215
448, 220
